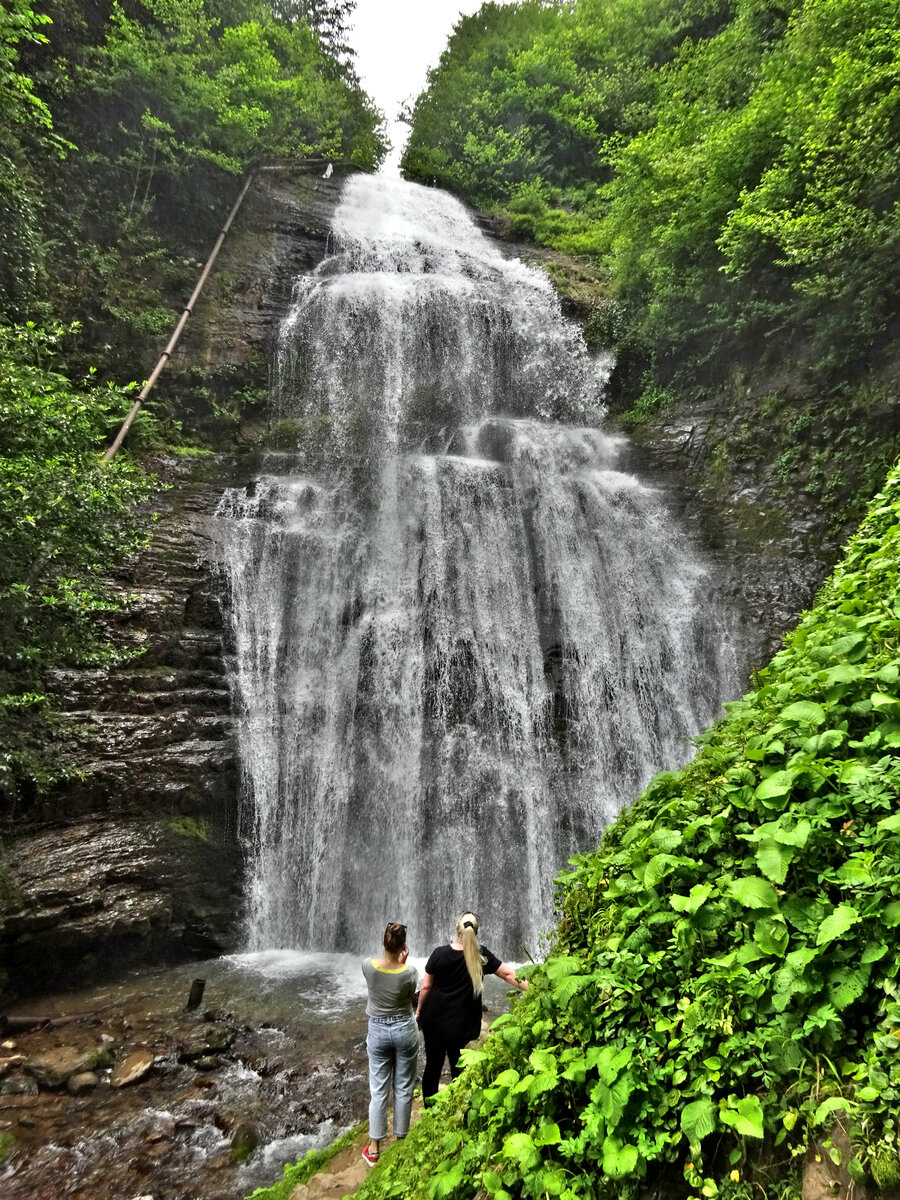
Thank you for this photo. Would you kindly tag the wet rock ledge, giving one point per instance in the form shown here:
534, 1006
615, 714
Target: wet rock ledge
135, 857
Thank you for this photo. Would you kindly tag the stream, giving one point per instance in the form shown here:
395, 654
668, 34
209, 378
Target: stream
294, 1070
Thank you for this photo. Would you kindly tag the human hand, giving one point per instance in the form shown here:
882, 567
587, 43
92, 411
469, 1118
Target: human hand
403, 955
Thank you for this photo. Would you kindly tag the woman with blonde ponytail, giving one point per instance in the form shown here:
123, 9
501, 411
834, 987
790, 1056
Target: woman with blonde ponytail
449, 1010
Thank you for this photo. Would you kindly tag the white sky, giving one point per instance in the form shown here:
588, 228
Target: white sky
396, 41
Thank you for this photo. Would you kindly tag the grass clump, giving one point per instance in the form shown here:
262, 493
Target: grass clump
311, 1164
723, 988
196, 828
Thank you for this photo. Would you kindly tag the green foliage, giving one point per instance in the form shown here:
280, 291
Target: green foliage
725, 971
158, 105
732, 165
64, 520
195, 828
24, 127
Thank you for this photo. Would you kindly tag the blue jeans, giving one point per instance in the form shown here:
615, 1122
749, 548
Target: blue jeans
393, 1049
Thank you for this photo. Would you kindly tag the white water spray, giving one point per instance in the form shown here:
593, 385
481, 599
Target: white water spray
463, 637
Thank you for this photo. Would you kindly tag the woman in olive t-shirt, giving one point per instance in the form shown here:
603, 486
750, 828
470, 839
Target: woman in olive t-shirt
392, 1043
449, 1010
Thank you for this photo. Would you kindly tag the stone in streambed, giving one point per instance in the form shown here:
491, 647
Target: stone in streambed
10, 1063
244, 1141
52, 1069
209, 1062
213, 1041
19, 1085
83, 1081
132, 1068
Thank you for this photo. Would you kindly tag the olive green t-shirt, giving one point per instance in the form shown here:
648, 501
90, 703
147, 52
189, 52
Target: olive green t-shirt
390, 992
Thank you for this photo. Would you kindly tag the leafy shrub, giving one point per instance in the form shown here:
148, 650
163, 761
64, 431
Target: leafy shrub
65, 518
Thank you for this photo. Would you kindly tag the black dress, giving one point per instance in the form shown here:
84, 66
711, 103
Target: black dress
452, 1013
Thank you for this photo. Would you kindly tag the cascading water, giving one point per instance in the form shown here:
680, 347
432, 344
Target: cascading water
463, 638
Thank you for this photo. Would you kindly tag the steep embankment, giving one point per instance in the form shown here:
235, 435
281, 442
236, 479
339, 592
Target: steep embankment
722, 994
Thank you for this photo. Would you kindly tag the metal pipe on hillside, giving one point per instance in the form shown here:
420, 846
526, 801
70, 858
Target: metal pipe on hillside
173, 340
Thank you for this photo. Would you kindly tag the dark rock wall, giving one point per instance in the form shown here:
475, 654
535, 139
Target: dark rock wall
136, 857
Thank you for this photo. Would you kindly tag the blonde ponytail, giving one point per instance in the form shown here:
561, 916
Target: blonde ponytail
466, 931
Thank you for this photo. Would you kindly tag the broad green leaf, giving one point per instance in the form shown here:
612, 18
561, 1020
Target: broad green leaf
521, 1147
771, 935
658, 868
551, 1181
868, 1094
773, 859
798, 836
821, 743
470, 1057
696, 898
753, 892
854, 772
891, 914
665, 839
843, 673
836, 924
556, 968
698, 1119
845, 986
446, 1182
543, 1060
569, 987
857, 870
778, 784
619, 1160
850, 646
884, 700
537, 1084
827, 1107
890, 824
745, 1116
548, 1134
874, 952
804, 712
805, 915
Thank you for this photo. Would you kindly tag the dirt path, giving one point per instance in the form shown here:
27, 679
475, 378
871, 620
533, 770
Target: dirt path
346, 1171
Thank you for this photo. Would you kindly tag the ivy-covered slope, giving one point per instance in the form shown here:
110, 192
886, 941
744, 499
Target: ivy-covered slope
724, 979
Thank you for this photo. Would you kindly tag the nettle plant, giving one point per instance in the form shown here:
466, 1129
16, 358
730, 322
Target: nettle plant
722, 993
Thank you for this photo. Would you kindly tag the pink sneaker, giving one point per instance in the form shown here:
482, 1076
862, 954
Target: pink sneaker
370, 1156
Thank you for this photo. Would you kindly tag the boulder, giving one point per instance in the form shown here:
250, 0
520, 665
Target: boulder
52, 1068
209, 1062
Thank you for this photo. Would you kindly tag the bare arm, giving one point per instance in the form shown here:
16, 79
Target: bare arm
506, 972
427, 981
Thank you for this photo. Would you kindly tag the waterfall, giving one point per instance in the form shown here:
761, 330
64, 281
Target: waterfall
463, 636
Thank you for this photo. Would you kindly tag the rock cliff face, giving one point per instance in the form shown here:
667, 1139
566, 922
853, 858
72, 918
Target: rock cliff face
136, 856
